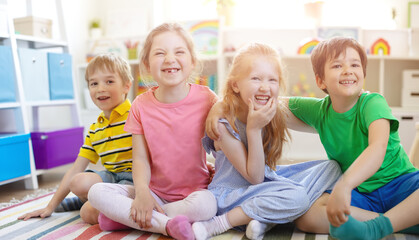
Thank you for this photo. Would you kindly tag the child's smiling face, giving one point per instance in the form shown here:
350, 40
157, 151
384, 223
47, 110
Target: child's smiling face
107, 90
261, 84
170, 60
343, 76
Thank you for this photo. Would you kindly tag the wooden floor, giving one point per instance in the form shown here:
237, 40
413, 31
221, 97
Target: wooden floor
17, 189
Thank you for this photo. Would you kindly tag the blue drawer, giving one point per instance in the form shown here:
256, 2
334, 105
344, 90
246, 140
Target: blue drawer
14, 156
34, 69
60, 76
7, 75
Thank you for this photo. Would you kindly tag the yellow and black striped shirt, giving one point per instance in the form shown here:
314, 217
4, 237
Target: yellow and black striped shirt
108, 141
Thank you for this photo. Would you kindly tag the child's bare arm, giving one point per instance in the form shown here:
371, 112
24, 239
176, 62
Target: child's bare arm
211, 123
144, 203
63, 190
236, 153
216, 112
249, 163
366, 165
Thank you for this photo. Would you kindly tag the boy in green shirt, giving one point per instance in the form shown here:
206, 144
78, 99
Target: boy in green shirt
358, 130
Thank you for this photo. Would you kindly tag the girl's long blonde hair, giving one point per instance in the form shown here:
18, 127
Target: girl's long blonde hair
275, 132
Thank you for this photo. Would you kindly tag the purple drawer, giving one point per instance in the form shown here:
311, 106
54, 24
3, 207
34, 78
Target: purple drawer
55, 148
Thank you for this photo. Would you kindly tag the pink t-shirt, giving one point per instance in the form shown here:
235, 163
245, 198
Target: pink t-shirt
173, 133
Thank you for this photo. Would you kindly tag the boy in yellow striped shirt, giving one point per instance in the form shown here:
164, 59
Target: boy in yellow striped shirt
109, 79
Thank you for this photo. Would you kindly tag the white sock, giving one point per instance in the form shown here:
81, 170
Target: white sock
212, 227
255, 230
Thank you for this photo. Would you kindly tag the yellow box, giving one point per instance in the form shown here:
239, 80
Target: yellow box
33, 26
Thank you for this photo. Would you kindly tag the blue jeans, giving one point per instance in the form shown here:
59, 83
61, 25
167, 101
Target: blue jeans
110, 177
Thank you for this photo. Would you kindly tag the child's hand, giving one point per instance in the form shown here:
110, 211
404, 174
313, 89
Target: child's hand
211, 124
42, 213
338, 205
142, 209
258, 119
211, 170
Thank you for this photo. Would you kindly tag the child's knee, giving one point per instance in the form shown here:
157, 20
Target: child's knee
305, 224
198, 206
81, 183
89, 214
298, 199
95, 192
208, 203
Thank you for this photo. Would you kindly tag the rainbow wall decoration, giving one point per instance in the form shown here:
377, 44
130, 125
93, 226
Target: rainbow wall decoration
380, 47
306, 46
205, 35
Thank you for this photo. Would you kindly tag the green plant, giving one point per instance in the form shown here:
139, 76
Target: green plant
95, 23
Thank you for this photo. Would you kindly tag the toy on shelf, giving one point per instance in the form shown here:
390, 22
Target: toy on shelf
380, 47
132, 47
207, 80
307, 45
143, 86
302, 88
99, 46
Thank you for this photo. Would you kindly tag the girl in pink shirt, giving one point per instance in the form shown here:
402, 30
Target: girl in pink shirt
169, 163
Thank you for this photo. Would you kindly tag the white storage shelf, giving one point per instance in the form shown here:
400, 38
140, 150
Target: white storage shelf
21, 115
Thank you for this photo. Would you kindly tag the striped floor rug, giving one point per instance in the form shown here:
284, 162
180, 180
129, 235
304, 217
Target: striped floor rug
69, 225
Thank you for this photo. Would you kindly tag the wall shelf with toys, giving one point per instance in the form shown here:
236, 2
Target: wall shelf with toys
384, 72
37, 99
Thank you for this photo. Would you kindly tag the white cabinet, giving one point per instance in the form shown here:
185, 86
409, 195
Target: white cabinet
38, 95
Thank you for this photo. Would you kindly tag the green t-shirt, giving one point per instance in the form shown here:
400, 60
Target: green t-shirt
345, 135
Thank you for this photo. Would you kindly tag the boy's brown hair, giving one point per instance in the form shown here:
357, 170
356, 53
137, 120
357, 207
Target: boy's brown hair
111, 63
331, 49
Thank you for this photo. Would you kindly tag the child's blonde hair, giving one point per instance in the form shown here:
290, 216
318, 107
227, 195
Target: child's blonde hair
275, 132
111, 63
331, 49
168, 27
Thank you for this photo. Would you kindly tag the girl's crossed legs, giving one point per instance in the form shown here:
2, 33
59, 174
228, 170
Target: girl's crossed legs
114, 201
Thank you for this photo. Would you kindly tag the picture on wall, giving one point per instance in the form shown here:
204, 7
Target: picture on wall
329, 32
205, 35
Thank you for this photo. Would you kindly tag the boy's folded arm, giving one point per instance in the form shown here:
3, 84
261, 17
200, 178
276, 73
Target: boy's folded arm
371, 159
366, 165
